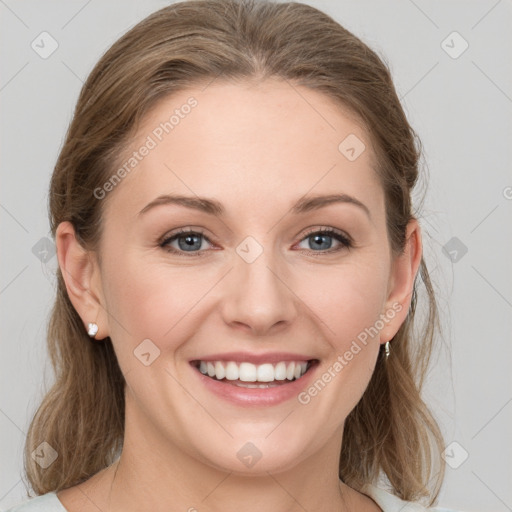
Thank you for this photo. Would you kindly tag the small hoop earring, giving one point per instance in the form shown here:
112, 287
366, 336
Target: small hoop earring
387, 349
92, 330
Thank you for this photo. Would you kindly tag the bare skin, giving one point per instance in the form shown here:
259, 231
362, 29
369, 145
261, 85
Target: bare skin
256, 149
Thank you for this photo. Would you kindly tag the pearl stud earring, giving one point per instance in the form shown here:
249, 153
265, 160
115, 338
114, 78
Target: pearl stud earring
92, 330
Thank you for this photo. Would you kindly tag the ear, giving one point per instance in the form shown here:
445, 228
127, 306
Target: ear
401, 282
81, 274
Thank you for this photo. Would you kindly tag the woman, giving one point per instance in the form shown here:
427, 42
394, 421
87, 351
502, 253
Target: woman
237, 288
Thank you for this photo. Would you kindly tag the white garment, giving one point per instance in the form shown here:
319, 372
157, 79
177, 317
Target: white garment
45, 503
387, 502
390, 503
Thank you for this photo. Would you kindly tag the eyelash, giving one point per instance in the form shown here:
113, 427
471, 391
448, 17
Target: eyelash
345, 241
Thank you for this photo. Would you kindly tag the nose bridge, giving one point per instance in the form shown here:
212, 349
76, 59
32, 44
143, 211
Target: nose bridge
258, 296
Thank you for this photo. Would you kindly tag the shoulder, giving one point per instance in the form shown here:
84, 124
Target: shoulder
390, 503
46, 503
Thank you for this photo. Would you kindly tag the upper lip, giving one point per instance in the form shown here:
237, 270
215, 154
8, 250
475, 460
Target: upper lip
241, 357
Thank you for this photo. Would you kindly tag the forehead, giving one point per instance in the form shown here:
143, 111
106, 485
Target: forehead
247, 144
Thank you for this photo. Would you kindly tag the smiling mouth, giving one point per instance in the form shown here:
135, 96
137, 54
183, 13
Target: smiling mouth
249, 375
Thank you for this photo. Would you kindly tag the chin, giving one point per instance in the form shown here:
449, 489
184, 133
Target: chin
255, 455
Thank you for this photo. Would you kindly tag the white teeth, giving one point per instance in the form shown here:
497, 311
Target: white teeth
248, 372
290, 371
231, 371
280, 371
265, 373
220, 372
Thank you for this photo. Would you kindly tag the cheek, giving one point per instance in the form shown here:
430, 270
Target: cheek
348, 303
149, 301
346, 299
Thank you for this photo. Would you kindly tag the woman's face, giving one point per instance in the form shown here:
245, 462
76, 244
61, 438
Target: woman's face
255, 294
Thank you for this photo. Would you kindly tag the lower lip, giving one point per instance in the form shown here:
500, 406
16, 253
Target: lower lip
256, 396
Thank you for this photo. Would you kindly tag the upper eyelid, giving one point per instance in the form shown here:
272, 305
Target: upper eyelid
182, 231
310, 231
326, 229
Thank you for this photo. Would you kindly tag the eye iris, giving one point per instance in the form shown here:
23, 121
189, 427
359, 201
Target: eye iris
191, 242
319, 238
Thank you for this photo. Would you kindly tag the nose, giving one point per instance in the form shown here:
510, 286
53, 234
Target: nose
258, 299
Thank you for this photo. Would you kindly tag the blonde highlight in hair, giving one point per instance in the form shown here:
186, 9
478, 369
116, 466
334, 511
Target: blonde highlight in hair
390, 431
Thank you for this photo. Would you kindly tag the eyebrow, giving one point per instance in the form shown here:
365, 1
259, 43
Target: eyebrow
213, 207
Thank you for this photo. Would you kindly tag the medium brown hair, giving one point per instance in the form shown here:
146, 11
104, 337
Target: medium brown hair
390, 431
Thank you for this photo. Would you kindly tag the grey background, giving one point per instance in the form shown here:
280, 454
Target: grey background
461, 107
